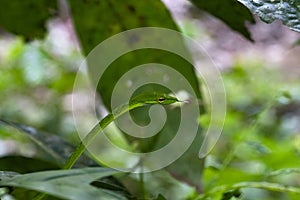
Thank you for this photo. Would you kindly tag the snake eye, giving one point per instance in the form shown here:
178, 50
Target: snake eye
161, 99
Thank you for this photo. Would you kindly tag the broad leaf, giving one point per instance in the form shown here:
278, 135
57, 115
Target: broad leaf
288, 11
7, 174
233, 13
69, 184
96, 21
27, 18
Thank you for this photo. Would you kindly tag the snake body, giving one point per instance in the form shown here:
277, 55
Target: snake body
138, 101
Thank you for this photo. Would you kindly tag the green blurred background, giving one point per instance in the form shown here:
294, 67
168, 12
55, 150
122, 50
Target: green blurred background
262, 129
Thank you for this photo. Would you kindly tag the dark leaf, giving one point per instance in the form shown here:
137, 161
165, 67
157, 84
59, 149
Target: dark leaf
233, 193
24, 165
160, 197
97, 20
110, 183
27, 18
233, 13
11, 130
51, 148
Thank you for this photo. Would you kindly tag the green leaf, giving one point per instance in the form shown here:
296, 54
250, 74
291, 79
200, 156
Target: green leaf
96, 21
7, 174
15, 17
288, 11
43, 141
21, 193
69, 184
233, 13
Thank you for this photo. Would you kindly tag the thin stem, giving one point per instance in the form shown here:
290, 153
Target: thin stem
142, 185
260, 185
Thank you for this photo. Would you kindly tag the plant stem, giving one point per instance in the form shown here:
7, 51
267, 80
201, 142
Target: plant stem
142, 181
260, 185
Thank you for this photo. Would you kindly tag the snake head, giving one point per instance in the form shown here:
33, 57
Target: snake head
166, 99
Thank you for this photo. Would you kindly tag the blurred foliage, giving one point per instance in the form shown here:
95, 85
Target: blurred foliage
260, 137
288, 11
257, 157
260, 134
34, 83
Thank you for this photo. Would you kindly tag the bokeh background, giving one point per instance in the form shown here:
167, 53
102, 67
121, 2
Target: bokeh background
262, 79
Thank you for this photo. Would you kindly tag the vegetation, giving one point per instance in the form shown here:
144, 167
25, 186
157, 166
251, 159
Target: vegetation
256, 157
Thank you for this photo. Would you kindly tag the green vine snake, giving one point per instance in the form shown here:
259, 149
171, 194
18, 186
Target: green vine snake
138, 101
